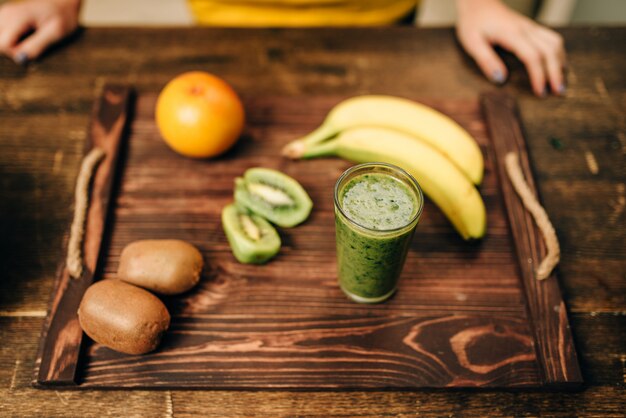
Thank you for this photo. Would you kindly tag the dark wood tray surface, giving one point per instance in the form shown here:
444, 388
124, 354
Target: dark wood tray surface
465, 315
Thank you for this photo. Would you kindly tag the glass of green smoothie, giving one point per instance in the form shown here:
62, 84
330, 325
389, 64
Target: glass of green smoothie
377, 207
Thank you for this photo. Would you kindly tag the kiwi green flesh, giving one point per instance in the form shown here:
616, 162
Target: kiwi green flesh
282, 189
245, 248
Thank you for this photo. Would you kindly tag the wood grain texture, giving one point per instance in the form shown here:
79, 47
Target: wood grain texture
62, 336
458, 320
600, 353
554, 344
44, 113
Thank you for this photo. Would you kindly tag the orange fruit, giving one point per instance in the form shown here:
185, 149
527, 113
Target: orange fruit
199, 115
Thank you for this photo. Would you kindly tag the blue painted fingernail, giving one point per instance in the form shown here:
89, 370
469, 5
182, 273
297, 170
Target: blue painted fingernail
498, 77
21, 58
562, 89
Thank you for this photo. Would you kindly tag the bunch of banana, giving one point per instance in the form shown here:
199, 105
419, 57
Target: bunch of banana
440, 154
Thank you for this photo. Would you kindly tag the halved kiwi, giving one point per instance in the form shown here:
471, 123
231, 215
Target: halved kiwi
274, 196
252, 239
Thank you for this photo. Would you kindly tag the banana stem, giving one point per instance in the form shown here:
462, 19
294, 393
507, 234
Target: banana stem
325, 149
294, 149
300, 149
321, 134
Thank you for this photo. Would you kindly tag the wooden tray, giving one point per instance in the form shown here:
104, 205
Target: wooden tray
465, 315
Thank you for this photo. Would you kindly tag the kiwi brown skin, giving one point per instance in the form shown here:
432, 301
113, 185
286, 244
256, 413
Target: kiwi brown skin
168, 267
123, 317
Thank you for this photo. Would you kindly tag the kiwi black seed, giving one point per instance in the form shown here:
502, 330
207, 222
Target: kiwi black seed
273, 195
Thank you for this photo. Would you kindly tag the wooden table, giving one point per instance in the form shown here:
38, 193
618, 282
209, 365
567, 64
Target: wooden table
577, 144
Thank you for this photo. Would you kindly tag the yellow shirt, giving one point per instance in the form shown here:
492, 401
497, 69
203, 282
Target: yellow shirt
291, 13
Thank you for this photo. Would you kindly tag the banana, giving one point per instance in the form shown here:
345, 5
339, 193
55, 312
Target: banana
440, 179
406, 116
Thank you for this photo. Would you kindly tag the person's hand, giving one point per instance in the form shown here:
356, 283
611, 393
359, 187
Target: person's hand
483, 24
28, 27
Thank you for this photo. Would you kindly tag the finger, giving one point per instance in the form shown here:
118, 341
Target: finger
555, 40
552, 62
11, 32
486, 58
524, 49
45, 35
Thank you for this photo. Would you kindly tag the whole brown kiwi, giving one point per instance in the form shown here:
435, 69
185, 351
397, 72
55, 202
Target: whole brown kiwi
123, 317
168, 267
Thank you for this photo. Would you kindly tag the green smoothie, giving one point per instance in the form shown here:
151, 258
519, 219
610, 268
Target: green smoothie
377, 207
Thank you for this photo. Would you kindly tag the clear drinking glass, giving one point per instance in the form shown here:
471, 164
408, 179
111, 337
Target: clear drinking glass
370, 257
